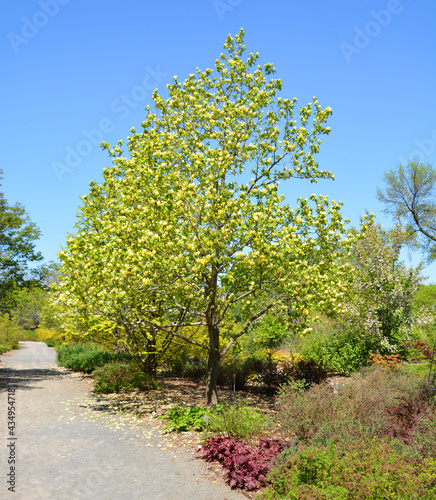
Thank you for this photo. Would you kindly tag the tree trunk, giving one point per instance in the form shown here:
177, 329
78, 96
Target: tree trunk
151, 360
212, 367
213, 358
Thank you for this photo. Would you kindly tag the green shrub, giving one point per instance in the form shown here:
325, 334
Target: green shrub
339, 352
185, 366
5, 348
263, 367
82, 357
309, 371
236, 371
10, 332
86, 357
52, 342
269, 371
194, 367
270, 333
117, 376
359, 470
182, 419
241, 423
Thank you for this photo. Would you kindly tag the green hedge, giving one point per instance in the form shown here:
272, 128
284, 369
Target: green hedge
86, 357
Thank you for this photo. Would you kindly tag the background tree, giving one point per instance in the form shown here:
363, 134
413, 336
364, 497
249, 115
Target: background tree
31, 302
28, 305
180, 233
380, 299
17, 251
380, 311
426, 296
410, 197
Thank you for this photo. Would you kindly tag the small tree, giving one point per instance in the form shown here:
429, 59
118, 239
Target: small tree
179, 233
410, 197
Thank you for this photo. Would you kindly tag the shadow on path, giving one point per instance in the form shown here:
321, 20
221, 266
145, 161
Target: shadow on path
25, 379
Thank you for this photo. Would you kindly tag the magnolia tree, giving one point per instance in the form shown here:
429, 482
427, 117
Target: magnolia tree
190, 224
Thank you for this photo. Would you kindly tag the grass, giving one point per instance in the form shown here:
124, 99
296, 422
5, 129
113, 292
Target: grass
418, 369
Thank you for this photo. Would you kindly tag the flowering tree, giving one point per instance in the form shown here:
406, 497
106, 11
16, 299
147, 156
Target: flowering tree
380, 298
180, 233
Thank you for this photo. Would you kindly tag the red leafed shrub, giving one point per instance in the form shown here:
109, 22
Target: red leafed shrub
245, 467
404, 418
421, 347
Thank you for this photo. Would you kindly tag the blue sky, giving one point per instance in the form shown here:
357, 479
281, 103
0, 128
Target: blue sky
75, 73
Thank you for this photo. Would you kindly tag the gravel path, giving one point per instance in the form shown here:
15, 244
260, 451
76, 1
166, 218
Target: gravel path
66, 446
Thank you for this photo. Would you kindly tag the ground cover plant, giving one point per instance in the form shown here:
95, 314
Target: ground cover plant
4, 348
245, 466
239, 422
366, 469
324, 414
371, 437
182, 419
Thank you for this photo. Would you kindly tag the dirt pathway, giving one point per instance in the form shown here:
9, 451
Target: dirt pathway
63, 446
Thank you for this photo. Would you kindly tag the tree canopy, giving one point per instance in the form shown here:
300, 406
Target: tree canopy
410, 197
190, 223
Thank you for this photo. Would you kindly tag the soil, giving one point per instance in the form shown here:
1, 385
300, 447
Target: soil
149, 406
